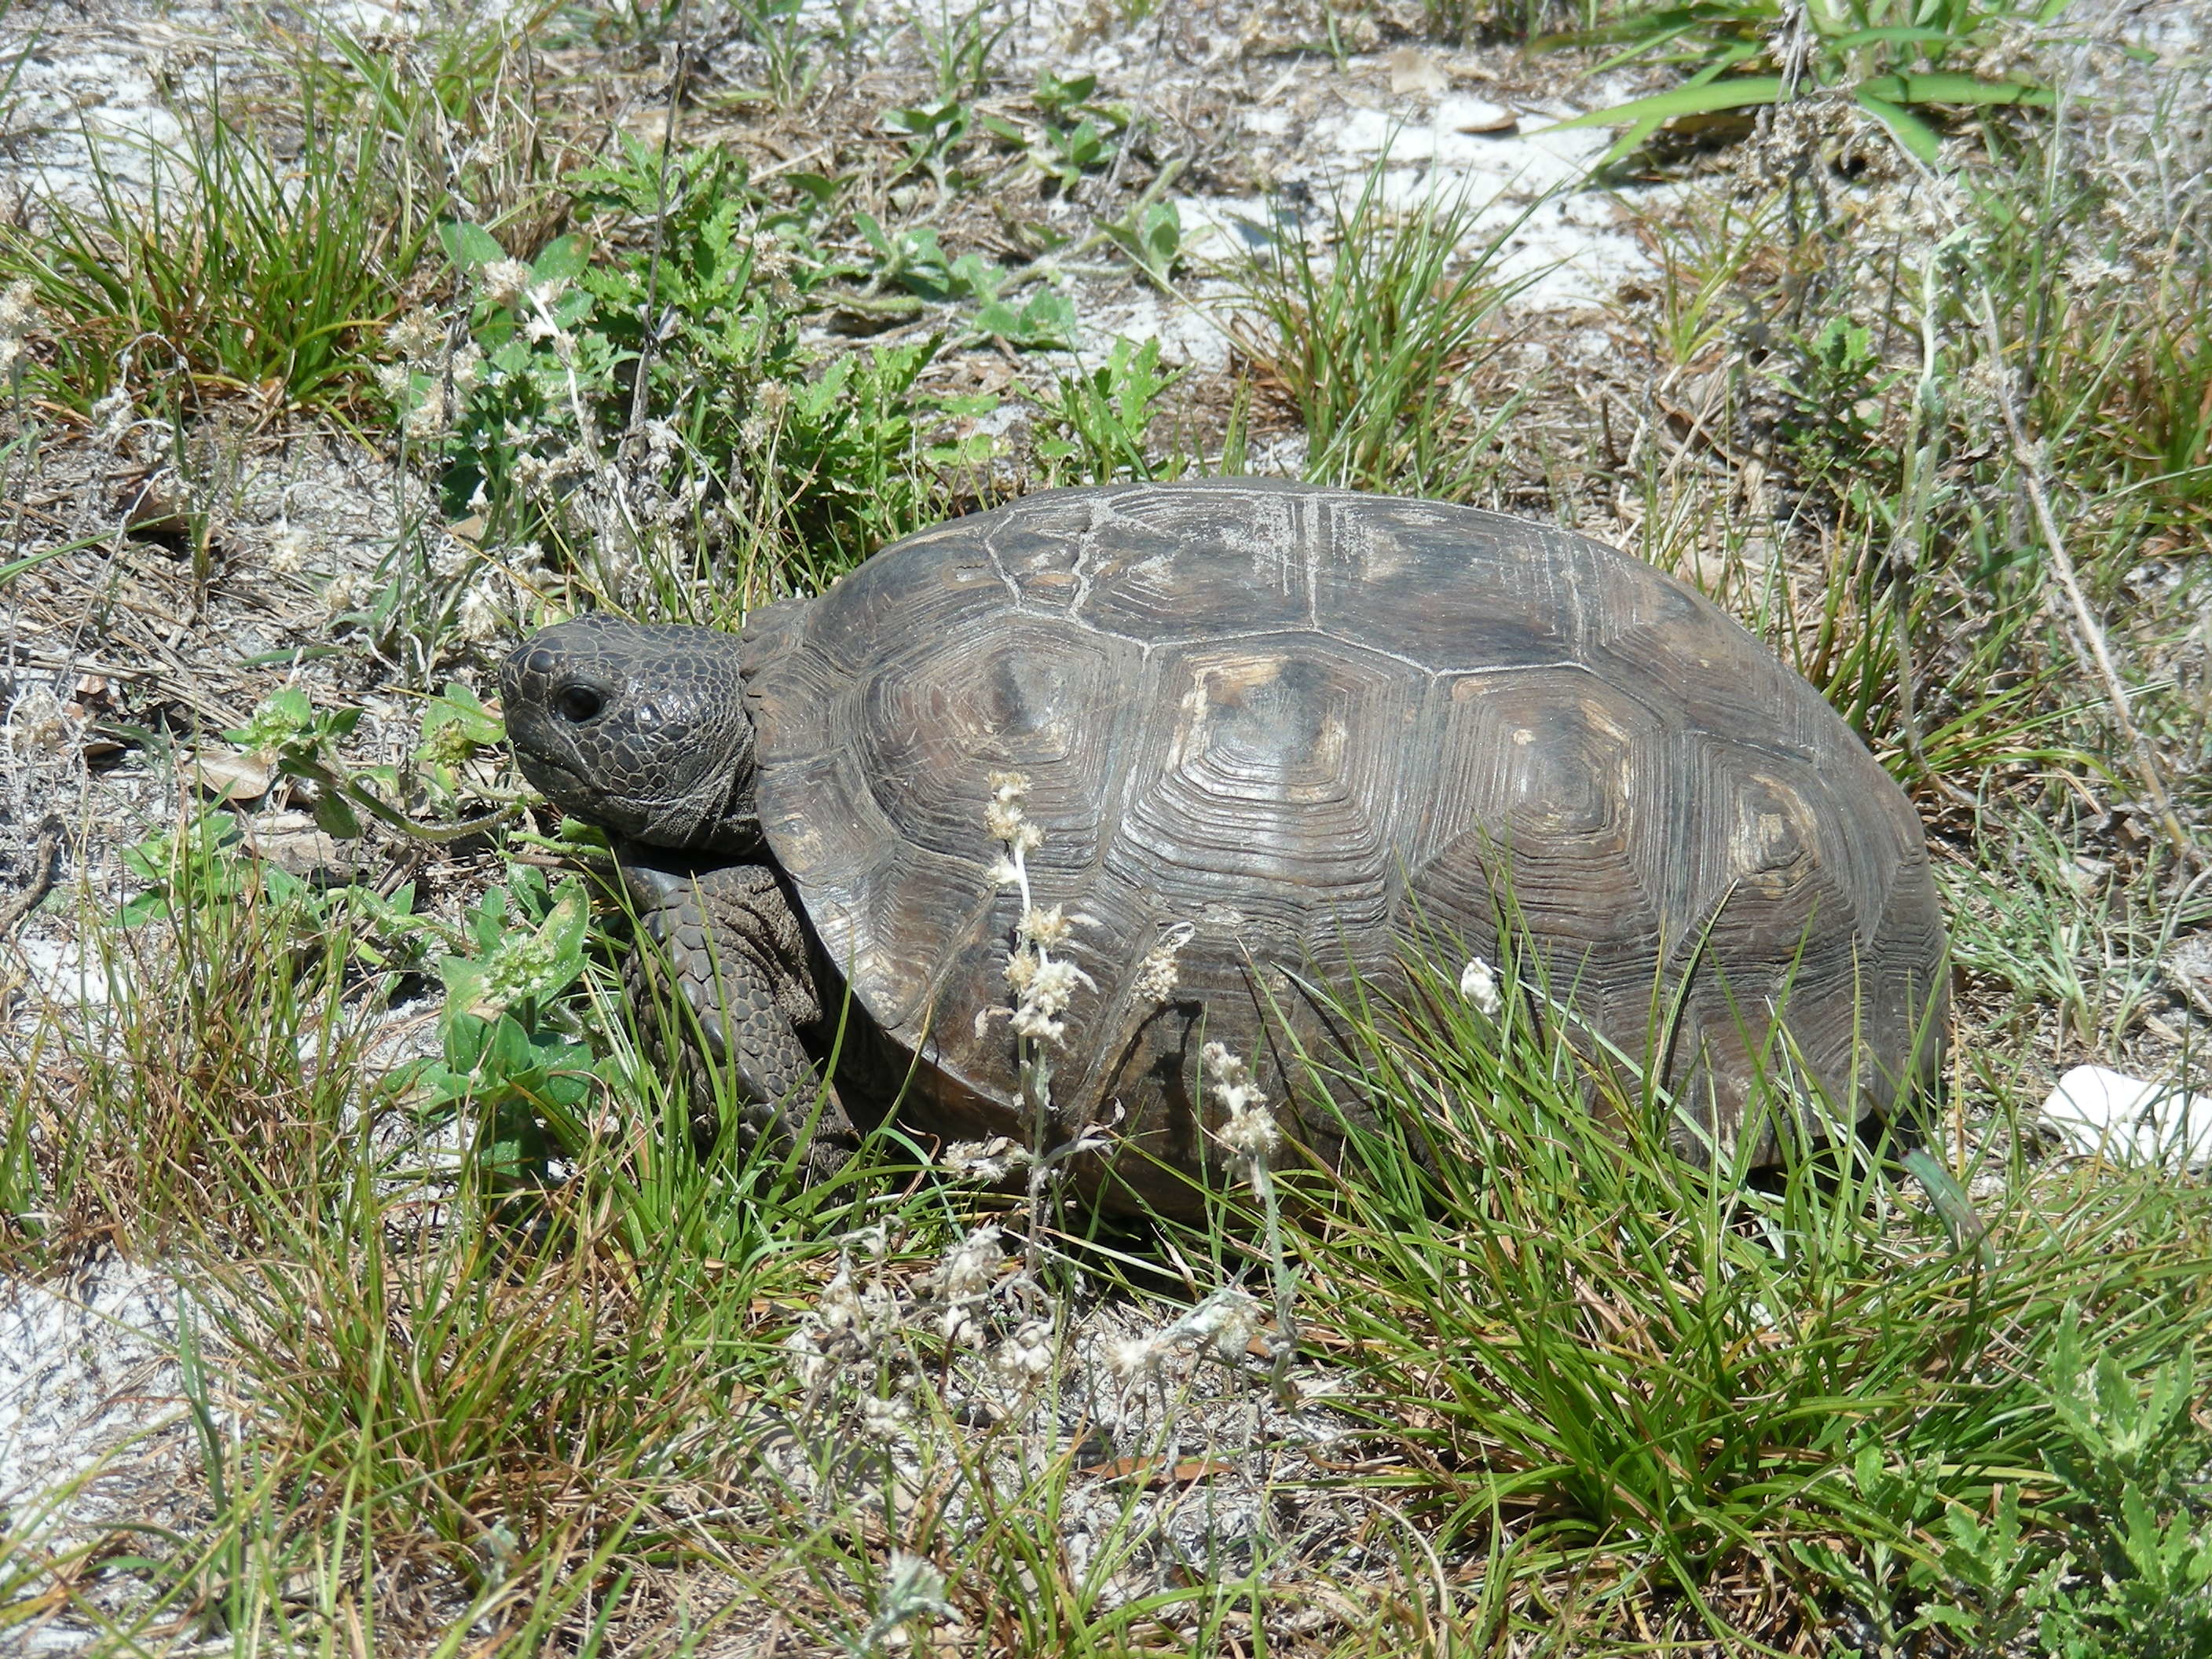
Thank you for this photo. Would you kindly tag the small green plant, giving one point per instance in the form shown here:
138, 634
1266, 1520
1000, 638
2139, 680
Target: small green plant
912, 259
1896, 60
509, 1057
791, 47
960, 45
934, 133
683, 362
1095, 425
1073, 133
1151, 236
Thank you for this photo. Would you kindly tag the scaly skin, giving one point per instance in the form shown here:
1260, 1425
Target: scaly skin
729, 948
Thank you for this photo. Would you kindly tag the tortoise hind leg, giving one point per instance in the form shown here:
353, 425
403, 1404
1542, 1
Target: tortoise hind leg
723, 942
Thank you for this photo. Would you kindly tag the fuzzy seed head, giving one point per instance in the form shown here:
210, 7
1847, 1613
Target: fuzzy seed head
288, 548
1158, 973
986, 1161
1249, 1132
1130, 1357
1025, 1357
415, 336
1044, 927
972, 1265
1478, 983
504, 282
477, 618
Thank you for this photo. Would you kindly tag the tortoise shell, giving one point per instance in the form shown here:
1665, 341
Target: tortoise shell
1315, 726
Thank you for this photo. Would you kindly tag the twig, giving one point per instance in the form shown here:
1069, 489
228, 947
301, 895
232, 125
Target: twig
46, 867
649, 324
1920, 453
2091, 633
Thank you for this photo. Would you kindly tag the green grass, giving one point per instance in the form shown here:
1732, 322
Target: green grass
1623, 1356
1378, 340
238, 273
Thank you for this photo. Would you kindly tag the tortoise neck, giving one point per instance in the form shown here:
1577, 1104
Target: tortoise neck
736, 825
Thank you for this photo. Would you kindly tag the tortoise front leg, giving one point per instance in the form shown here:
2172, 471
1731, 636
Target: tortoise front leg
723, 943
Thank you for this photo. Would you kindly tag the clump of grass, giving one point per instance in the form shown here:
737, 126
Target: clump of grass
224, 1052
237, 269
1662, 1368
1379, 342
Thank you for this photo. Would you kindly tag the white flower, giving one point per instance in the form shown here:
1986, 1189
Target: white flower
883, 1419
958, 1326
914, 1588
431, 416
415, 336
972, 1264
1025, 1357
1249, 1134
1228, 1318
1037, 1027
503, 282
477, 618
1051, 986
771, 256
1478, 983
1045, 927
1157, 974
450, 560
840, 1307
1132, 1356
113, 413
343, 593
807, 1361
986, 1161
288, 549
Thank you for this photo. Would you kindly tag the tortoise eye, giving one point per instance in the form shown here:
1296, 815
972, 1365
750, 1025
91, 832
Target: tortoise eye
580, 704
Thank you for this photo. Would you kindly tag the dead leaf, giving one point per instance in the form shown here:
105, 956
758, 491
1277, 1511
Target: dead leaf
1414, 72
1487, 120
1150, 1472
228, 775
297, 845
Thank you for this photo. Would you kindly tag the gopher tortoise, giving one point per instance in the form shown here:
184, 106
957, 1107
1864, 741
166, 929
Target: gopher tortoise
1294, 732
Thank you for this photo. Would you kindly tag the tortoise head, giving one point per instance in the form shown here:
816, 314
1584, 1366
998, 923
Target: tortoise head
641, 731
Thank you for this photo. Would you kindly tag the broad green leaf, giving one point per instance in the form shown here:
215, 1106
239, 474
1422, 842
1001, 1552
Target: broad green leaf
562, 260
470, 246
1919, 139
1710, 99
335, 817
1943, 88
